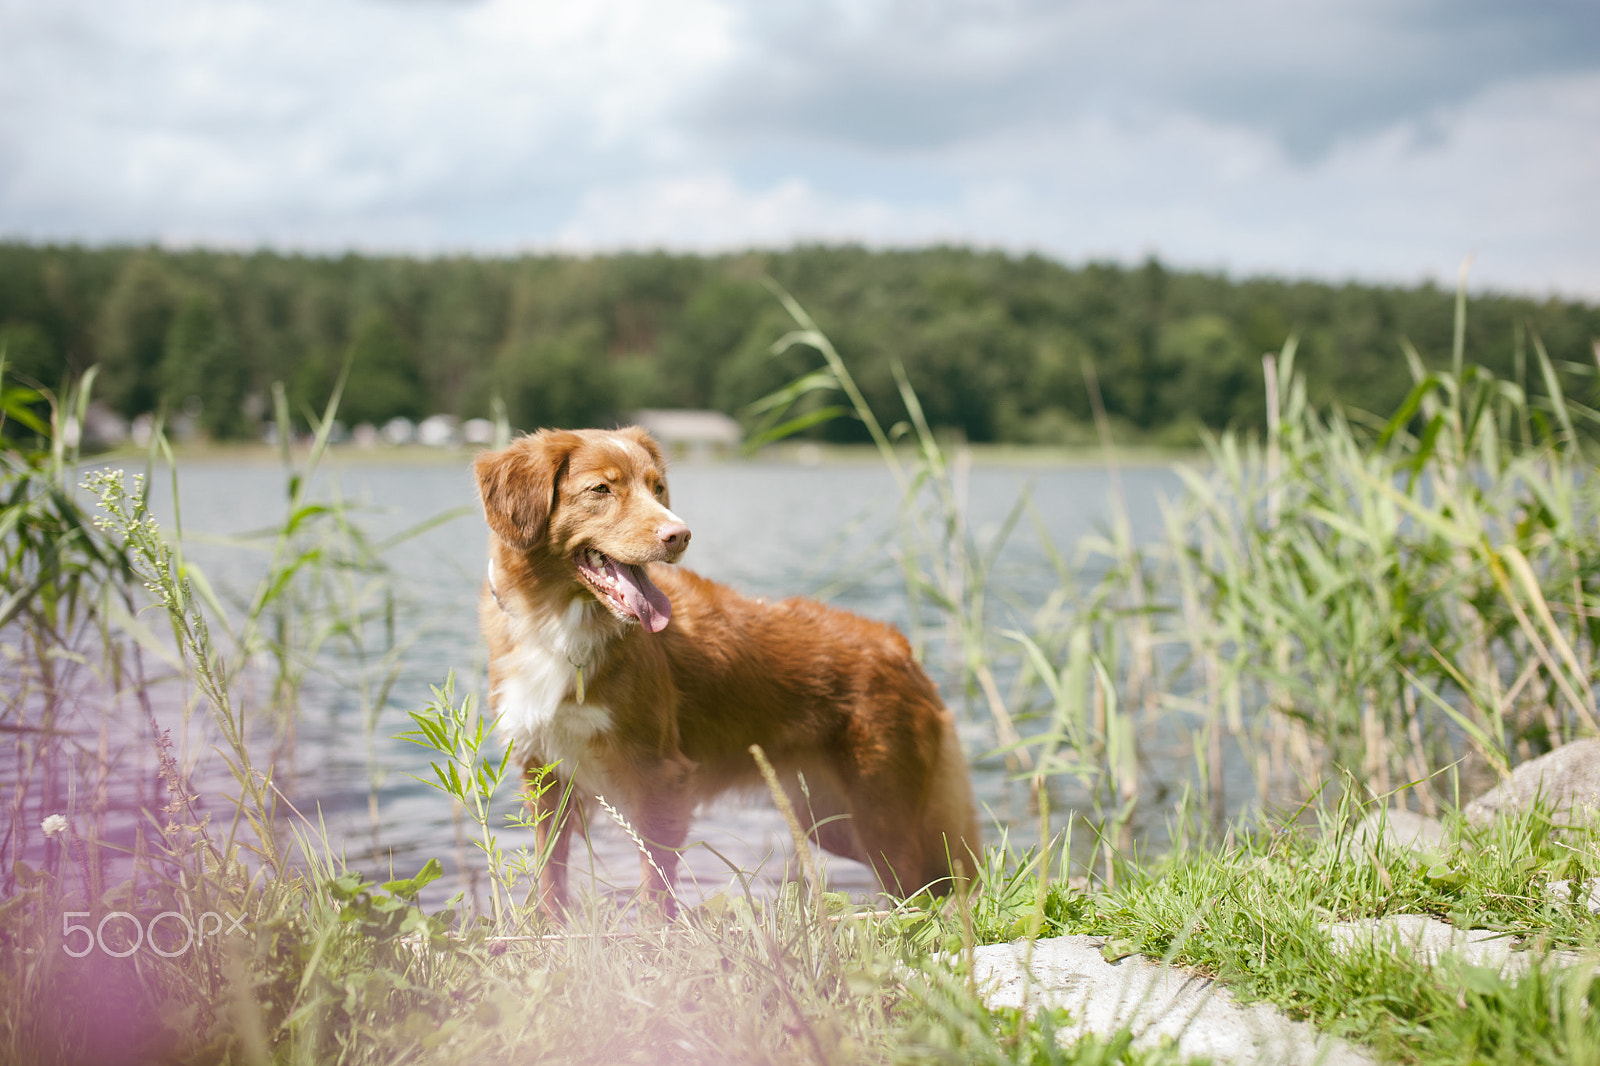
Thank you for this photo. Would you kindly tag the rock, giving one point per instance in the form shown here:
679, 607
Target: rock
1156, 1002
1429, 940
1401, 829
1567, 778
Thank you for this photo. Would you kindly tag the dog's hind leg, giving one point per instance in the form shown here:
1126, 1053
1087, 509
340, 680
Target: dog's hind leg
822, 804
949, 823
914, 815
885, 809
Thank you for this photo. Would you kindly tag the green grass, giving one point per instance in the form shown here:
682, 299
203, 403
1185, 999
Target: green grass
341, 970
1255, 914
338, 970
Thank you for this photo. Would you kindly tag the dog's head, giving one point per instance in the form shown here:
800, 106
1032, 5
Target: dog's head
595, 499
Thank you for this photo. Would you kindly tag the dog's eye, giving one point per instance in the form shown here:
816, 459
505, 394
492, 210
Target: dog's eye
602, 488
661, 490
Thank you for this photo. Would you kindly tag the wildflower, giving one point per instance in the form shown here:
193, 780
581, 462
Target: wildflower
54, 825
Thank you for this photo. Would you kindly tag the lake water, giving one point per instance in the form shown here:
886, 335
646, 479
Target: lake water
769, 528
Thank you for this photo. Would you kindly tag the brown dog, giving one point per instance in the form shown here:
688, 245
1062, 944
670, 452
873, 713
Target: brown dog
648, 683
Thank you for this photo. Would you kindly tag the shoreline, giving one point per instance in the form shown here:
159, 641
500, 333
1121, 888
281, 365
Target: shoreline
802, 454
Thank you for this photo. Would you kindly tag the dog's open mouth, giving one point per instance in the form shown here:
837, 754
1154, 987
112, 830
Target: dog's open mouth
625, 589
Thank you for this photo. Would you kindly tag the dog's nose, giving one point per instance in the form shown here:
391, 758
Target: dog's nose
674, 535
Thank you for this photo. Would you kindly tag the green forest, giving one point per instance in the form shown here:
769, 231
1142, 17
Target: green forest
995, 344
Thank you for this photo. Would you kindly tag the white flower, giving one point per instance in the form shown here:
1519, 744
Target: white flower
54, 825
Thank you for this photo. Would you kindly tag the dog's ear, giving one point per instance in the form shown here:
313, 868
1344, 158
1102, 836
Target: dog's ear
517, 485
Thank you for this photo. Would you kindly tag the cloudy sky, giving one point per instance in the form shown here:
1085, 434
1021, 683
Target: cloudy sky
1378, 139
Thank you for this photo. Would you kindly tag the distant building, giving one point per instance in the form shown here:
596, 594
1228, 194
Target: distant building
477, 431
399, 430
437, 431
694, 432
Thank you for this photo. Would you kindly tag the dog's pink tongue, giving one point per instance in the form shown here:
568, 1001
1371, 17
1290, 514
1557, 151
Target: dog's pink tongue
643, 600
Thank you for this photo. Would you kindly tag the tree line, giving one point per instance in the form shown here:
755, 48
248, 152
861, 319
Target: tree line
994, 344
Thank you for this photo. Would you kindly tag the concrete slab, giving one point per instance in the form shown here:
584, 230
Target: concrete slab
1157, 1002
1429, 940
1425, 938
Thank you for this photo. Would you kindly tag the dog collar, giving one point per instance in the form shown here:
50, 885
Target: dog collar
498, 602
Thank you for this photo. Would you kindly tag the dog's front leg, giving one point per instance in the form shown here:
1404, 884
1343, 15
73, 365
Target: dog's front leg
662, 811
550, 801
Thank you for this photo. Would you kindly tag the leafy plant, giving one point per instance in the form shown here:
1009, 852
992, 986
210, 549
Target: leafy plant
391, 911
473, 777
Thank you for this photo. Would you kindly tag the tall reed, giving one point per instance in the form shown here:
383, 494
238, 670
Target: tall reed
99, 693
68, 607
1387, 596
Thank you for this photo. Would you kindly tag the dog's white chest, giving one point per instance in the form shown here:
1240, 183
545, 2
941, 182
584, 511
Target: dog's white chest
534, 698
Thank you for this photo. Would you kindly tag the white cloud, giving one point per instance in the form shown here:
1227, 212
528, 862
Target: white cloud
1310, 74
1095, 129
270, 119
1510, 176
